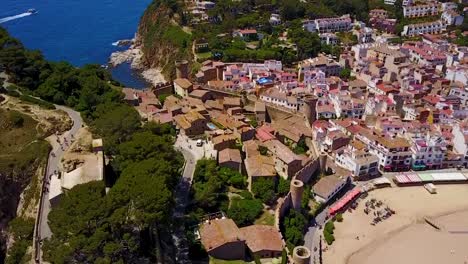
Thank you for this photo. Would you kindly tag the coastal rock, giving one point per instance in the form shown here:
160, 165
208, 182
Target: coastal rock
123, 42
132, 55
154, 76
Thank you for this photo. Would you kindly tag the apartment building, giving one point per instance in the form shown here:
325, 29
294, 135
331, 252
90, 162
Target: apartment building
335, 24
357, 159
329, 39
321, 63
451, 17
430, 9
424, 54
393, 152
276, 97
346, 106
378, 13
435, 27
427, 153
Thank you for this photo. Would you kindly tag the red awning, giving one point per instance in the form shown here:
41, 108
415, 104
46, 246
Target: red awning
344, 201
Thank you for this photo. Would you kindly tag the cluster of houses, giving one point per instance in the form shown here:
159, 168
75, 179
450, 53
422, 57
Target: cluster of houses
404, 107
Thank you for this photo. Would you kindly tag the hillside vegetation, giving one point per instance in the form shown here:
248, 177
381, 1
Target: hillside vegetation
161, 36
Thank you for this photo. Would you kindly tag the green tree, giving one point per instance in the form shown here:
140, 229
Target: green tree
264, 189
345, 73
293, 227
244, 211
115, 123
283, 186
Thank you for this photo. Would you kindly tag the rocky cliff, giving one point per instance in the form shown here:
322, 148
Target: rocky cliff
162, 38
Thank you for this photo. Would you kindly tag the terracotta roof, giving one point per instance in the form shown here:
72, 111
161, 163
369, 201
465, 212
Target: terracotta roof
262, 237
281, 151
218, 232
229, 155
260, 166
326, 185
183, 83
222, 138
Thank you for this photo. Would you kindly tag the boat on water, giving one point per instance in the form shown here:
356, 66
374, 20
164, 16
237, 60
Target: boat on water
31, 11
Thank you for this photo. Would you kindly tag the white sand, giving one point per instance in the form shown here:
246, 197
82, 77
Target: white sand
392, 238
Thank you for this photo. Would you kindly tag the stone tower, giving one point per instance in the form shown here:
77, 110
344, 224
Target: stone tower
310, 104
296, 189
323, 162
182, 70
301, 255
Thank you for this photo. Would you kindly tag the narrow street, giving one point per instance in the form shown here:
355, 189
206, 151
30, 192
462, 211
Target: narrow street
53, 165
192, 153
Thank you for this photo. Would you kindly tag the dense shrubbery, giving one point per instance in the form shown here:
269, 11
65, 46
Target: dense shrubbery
22, 232
328, 232
244, 211
209, 190
264, 189
89, 226
293, 227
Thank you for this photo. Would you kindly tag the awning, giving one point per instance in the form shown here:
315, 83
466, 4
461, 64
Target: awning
344, 201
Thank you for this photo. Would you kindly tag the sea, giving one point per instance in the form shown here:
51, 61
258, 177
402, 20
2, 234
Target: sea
77, 31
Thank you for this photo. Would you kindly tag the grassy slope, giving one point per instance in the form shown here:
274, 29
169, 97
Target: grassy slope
22, 151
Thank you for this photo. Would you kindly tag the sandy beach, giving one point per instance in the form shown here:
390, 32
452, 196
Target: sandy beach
405, 237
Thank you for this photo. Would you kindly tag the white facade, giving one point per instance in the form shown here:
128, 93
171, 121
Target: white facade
458, 74
309, 25
275, 19
395, 157
280, 99
451, 17
420, 10
427, 153
336, 24
461, 93
328, 39
328, 25
423, 28
361, 164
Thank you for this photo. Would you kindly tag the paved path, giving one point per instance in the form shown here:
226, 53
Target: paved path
192, 154
54, 165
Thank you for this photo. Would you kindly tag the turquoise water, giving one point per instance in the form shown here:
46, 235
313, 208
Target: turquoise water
77, 31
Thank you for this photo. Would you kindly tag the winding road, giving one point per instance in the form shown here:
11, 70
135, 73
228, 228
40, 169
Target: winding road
55, 156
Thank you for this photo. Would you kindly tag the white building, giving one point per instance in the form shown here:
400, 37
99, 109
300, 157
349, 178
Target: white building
423, 28
328, 39
428, 153
309, 25
334, 24
361, 163
460, 139
430, 9
275, 20
276, 97
461, 93
327, 187
451, 17
364, 35
449, 6
404, 2
458, 73
347, 107
323, 63
393, 152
